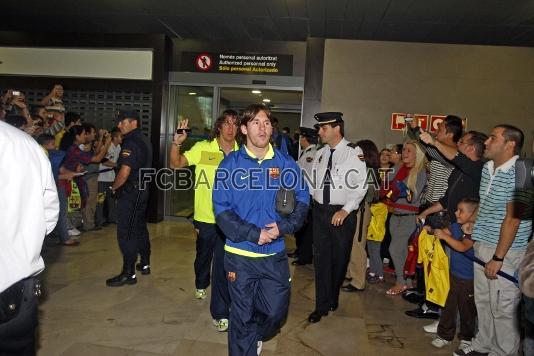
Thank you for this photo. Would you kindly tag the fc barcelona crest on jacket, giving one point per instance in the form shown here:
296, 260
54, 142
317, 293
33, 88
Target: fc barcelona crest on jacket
274, 172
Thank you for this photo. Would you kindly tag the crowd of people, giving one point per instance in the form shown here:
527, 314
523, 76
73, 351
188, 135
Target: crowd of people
447, 200
83, 159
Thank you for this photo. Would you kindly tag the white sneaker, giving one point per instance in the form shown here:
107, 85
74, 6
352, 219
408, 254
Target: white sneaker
464, 344
432, 328
74, 232
201, 294
260, 347
439, 342
221, 324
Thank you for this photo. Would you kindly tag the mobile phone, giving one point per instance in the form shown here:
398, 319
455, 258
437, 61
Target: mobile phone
15, 93
181, 131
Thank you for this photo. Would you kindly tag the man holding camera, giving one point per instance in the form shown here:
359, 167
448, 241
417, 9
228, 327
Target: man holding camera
206, 156
132, 232
247, 185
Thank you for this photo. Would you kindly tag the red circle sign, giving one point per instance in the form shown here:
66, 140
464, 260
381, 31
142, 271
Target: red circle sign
204, 62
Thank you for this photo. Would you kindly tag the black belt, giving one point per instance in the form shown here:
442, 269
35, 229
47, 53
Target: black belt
408, 214
327, 206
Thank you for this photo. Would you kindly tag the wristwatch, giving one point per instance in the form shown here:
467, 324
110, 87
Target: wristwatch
498, 259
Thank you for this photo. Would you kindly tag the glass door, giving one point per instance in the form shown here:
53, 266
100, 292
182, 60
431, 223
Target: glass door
201, 105
196, 104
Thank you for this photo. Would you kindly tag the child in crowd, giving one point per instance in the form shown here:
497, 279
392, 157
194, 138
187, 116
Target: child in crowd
461, 293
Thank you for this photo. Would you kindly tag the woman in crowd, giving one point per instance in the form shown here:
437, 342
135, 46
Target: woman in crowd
358, 256
77, 154
395, 155
403, 199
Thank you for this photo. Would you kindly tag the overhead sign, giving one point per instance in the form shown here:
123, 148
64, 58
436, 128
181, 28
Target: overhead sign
204, 62
426, 122
237, 63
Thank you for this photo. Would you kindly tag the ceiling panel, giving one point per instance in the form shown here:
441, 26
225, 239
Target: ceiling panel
454, 21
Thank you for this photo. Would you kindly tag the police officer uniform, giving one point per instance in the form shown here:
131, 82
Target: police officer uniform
132, 201
304, 237
340, 184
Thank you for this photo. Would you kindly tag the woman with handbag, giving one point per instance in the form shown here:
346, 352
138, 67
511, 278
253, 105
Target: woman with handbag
403, 197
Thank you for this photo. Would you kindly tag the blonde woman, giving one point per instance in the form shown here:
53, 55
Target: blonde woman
403, 200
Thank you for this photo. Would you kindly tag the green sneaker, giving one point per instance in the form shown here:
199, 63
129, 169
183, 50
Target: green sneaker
221, 324
201, 294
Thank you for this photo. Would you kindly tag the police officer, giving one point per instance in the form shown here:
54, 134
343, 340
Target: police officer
340, 188
304, 237
132, 232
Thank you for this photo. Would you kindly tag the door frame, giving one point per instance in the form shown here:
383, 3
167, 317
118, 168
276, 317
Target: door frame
217, 82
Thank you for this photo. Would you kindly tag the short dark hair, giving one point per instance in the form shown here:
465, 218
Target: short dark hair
512, 133
453, 124
44, 139
36, 108
71, 117
230, 112
286, 129
341, 127
251, 111
477, 140
472, 202
311, 139
115, 132
70, 136
88, 127
16, 120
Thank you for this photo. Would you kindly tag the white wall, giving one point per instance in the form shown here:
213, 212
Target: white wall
368, 81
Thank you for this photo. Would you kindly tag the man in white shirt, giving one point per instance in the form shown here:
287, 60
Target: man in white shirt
338, 190
105, 180
29, 209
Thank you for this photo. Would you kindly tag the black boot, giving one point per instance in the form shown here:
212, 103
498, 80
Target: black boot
127, 276
143, 266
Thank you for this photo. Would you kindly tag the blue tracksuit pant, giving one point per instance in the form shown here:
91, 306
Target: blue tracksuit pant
259, 292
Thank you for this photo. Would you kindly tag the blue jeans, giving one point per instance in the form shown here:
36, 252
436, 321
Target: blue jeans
61, 227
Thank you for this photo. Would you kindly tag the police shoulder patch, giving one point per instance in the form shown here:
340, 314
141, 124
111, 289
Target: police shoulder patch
126, 153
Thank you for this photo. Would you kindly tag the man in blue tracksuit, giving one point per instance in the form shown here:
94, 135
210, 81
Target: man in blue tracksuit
244, 199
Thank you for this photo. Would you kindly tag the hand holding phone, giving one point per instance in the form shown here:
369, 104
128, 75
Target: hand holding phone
181, 132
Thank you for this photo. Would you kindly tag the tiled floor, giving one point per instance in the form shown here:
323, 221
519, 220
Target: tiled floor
80, 316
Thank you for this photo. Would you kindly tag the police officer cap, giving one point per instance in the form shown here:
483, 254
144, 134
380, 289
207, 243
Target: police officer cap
324, 118
307, 132
127, 113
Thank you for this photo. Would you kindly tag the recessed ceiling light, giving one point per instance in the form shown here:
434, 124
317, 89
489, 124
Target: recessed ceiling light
266, 100
192, 93
256, 92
